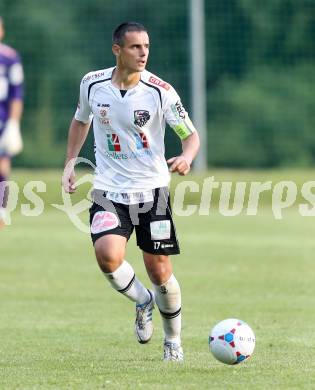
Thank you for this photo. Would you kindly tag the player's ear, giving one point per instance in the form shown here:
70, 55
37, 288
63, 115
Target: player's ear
116, 49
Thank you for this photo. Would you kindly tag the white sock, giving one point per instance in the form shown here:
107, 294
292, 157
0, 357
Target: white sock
124, 281
168, 300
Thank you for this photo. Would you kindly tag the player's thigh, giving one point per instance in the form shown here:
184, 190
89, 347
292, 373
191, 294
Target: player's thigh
159, 267
110, 251
111, 228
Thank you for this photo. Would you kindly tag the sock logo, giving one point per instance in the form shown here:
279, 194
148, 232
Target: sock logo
163, 290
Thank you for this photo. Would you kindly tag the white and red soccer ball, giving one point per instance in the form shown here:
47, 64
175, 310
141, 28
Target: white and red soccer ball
232, 341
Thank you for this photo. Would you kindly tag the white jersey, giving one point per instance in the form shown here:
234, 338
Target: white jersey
129, 131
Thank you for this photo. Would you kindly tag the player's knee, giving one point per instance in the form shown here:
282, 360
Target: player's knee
159, 276
159, 269
108, 258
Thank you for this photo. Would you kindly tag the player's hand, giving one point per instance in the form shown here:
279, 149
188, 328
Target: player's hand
68, 181
179, 164
11, 140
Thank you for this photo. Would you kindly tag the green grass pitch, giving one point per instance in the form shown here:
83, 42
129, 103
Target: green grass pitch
63, 327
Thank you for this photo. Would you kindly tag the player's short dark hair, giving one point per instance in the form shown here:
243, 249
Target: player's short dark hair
123, 28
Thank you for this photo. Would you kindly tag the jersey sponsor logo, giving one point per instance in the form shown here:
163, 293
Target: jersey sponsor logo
141, 141
141, 117
159, 82
180, 109
104, 121
144, 153
103, 109
103, 112
160, 230
113, 143
103, 221
94, 76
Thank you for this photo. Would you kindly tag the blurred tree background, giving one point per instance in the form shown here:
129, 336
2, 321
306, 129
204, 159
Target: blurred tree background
260, 72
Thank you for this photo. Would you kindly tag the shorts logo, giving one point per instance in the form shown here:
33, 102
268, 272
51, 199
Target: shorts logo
141, 141
159, 82
113, 142
103, 221
141, 117
160, 230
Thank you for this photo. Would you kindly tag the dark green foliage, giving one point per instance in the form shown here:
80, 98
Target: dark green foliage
266, 119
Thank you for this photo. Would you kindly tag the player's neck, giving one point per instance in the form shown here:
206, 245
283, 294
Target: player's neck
123, 79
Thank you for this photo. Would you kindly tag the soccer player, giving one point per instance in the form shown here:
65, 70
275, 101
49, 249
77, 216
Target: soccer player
11, 107
129, 106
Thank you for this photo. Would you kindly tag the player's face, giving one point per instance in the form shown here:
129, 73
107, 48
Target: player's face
133, 55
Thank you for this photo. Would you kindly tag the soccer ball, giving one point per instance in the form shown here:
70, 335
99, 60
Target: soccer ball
232, 341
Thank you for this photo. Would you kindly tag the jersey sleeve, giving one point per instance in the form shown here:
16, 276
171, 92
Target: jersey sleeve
16, 79
176, 115
83, 112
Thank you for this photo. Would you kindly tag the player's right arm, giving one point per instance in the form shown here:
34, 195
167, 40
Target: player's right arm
78, 132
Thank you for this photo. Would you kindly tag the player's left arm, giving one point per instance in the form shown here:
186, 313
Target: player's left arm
182, 163
177, 117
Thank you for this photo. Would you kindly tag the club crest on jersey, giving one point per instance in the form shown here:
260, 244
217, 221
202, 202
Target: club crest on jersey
141, 117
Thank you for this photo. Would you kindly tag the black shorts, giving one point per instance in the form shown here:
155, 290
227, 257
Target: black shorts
153, 222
